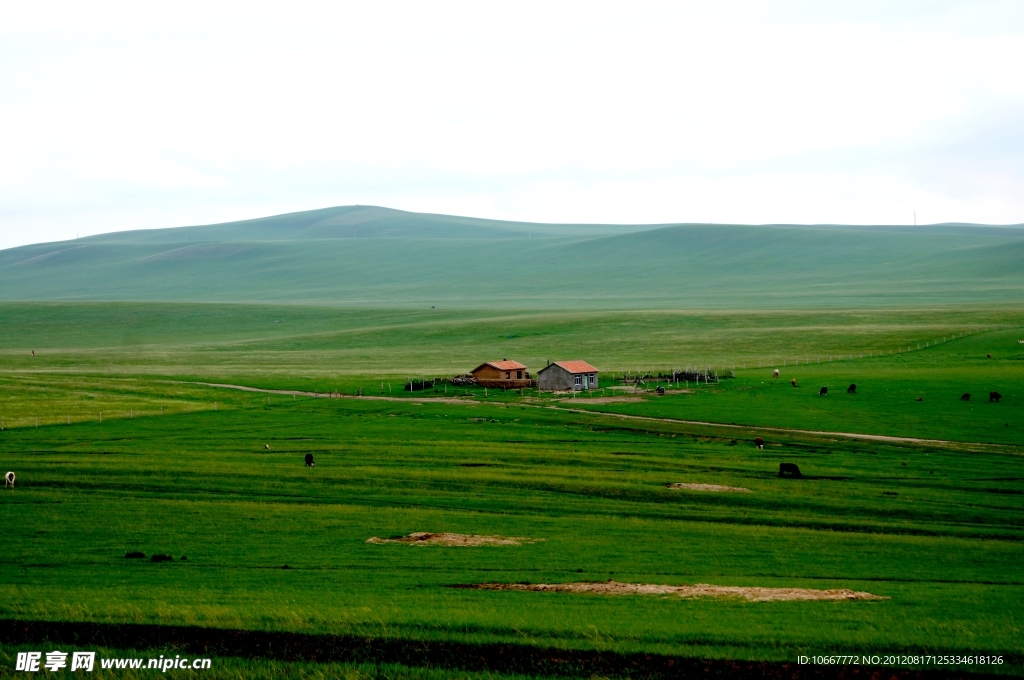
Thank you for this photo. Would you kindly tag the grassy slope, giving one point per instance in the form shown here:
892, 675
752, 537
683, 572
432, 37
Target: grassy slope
408, 259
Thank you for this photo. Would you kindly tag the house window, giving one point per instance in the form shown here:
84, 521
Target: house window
508, 374
579, 380
519, 375
593, 379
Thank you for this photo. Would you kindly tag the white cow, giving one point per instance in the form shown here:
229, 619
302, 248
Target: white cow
9, 480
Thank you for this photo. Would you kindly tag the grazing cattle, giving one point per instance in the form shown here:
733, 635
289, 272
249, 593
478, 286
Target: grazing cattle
758, 442
775, 373
266, 446
852, 389
9, 480
988, 356
791, 469
919, 399
994, 396
309, 460
966, 396
823, 391
660, 390
33, 352
793, 382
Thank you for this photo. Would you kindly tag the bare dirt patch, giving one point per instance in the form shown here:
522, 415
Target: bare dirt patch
753, 594
708, 487
605, 400
456, 540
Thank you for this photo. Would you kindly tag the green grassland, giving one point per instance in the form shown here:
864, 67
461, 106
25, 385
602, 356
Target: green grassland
935, 527
151, 349
122, 440
373, 257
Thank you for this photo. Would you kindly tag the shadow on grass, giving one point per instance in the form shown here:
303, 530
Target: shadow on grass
500, 658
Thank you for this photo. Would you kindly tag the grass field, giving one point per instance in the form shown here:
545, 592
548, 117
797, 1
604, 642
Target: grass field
108, 357
934, 527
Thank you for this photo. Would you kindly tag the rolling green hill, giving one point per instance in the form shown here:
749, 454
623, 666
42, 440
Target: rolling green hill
370, 256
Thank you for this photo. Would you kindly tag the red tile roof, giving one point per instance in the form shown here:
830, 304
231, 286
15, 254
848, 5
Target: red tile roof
577, 366
505, 365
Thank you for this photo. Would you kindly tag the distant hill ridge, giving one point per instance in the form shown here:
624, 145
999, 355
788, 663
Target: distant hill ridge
374, 256
360, 221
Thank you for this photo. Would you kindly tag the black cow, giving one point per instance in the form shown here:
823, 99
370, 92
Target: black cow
789, 468
966, 396
852, 389
309, 460
660, 390
758, 442
994, 396
823, 391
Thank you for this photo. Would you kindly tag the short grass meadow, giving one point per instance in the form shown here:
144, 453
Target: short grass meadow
177, 466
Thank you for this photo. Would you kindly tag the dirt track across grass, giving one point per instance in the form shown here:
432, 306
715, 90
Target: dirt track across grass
604, 400
708, 487
788, 430
754, 594
336, 395
625, 416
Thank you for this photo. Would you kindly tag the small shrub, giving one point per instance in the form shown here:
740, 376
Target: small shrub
134, 555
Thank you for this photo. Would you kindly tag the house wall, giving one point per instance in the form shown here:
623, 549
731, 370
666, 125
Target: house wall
488, 373
488, 376
554, 377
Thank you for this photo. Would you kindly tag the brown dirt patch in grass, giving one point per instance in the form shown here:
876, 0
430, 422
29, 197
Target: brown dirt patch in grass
457, 540
708, 487
753, 594
604, 400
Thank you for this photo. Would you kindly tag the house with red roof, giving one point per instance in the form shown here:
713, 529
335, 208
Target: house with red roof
567, 375
505, 374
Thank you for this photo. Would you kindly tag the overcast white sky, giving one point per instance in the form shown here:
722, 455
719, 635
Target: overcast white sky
139, 115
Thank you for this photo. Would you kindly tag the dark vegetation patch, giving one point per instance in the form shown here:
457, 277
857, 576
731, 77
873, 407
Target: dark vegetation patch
493, 657
161, 557
134, 555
